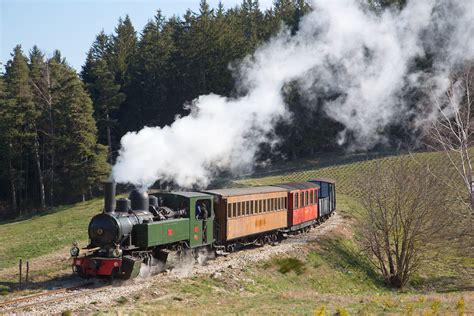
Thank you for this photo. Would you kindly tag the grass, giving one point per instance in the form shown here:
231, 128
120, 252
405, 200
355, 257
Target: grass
346, 173
45, 233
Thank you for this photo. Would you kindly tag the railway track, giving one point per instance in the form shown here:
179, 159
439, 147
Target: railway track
31, 301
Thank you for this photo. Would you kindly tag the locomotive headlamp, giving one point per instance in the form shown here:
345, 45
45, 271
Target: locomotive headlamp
74, 251
117, 252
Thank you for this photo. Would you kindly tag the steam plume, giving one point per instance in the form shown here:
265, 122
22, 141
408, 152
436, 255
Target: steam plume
366, 59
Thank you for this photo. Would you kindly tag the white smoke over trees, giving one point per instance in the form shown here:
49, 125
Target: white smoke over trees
367, 59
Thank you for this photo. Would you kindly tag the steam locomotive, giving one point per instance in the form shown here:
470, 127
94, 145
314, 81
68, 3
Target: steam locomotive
146, 228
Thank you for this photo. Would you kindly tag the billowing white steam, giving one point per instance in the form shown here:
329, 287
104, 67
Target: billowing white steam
363, 59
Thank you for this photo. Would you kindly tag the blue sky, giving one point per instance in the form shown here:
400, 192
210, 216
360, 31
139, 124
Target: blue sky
71, 25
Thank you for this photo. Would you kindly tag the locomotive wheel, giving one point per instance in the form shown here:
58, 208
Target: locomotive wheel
180, 252
81, 273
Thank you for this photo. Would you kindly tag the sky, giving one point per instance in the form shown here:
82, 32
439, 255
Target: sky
71, 25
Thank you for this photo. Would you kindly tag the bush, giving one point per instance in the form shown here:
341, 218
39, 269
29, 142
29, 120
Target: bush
404, 218
4, 290
461, 305
286, 265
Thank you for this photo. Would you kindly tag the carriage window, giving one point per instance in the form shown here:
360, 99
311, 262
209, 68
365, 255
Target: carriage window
324, 190
239, 208
295, 200
285, 205
279, 203
252, 207
311, 197
301, 199
234, 210
229, 210
306, 198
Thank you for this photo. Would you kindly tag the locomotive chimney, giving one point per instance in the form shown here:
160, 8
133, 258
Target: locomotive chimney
109, 196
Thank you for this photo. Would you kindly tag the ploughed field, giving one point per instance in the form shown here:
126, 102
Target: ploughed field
321, 271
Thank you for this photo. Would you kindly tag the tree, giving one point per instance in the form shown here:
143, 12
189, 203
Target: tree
19, 116
104, 91
403, 219
452, 132
151, 76
82, 161
123, 46
36, 66
44, 87
4, 141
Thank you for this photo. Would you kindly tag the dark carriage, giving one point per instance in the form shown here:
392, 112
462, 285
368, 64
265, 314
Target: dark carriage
327, 196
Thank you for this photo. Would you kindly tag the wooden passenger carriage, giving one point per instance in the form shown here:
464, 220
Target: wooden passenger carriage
249, 212
302, 204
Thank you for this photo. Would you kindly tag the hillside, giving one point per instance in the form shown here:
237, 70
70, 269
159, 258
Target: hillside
326, 271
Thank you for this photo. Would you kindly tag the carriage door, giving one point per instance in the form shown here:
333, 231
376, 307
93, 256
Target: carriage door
205, 220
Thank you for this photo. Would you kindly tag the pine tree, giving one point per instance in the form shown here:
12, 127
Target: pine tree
4, 141
151, 75
123, 46
82, 161
36, 66
104, 91
20, 116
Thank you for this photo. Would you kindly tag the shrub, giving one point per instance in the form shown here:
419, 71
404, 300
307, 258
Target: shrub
4, 290
321, 311
461, 305
286, 265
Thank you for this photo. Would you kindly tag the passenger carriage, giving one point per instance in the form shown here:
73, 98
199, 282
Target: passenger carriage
249, 215
302, 205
